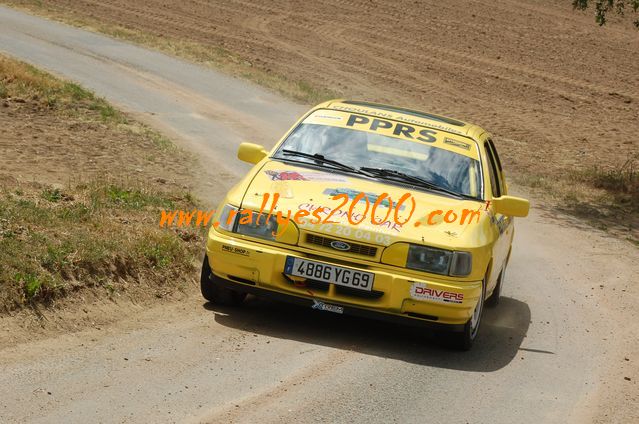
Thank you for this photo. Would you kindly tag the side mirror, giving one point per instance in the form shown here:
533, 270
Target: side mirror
251, 153
511, 206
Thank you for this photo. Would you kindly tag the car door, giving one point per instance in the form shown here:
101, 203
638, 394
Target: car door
502, 224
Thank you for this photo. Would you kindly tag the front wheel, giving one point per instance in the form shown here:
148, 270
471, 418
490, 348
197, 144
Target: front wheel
464, 340
215, 293
494, 298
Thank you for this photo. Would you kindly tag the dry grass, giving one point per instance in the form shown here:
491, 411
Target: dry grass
102, 235
95, 233
22, 81
623, 181
604, 198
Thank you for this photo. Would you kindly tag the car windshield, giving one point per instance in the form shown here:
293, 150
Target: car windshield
360, 149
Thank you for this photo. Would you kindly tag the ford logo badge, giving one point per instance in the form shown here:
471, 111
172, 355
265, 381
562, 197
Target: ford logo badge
340, 245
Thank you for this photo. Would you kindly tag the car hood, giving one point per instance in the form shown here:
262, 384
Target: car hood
305, 188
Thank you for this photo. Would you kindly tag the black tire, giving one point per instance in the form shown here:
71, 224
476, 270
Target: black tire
464, 340
215, 293
495, 297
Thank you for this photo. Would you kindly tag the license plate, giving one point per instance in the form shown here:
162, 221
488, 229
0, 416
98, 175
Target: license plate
328, 273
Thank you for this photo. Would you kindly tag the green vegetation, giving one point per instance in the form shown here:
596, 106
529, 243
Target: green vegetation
603, 8
24, 81
133, 198
604, 198
622, 184
103, 234
99, 233
624, 180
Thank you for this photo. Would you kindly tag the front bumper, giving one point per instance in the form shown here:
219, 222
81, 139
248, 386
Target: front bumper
257, 268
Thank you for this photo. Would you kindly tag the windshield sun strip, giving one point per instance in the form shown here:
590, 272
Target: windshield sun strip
389, 179
308, 115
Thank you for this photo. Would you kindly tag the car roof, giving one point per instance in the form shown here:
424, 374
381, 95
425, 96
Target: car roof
406, 115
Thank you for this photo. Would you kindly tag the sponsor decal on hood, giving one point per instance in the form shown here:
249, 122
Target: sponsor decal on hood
352, 194
276, 175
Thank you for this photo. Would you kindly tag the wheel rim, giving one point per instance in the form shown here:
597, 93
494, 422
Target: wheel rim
474, 320
501, 280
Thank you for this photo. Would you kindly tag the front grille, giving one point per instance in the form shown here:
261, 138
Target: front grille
422, 316
241, 280
316, 285
356, 248
346, 291
349, 291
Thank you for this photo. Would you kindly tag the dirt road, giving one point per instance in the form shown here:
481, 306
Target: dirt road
558, 91
554, 351
210, 113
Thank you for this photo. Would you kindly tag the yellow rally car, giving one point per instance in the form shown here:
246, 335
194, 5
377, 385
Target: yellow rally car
369, 210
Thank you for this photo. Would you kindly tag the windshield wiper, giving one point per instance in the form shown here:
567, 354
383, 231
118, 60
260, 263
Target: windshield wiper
320, 158
402, 177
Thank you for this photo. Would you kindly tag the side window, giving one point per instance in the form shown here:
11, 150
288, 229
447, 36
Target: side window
493, 171
494, 150
500, 172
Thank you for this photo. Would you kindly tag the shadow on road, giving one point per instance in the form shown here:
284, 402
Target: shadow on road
501, 334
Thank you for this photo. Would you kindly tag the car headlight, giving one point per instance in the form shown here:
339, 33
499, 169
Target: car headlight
248, 223
226, 223
256, 225
439, 261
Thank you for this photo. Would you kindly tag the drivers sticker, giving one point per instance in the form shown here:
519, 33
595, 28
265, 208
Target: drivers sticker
421, 291
304, 176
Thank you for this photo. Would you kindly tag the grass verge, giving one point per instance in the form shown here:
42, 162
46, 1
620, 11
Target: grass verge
97, 231
24, 82
603, 198
102, 234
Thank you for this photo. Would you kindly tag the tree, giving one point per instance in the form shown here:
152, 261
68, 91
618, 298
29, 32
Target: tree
604, 7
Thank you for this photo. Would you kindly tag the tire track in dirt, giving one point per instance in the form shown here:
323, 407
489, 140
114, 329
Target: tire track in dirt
502, 70
363, 34
401, 80
194, 23
263, 26
445, 91
265, 400
548, 82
